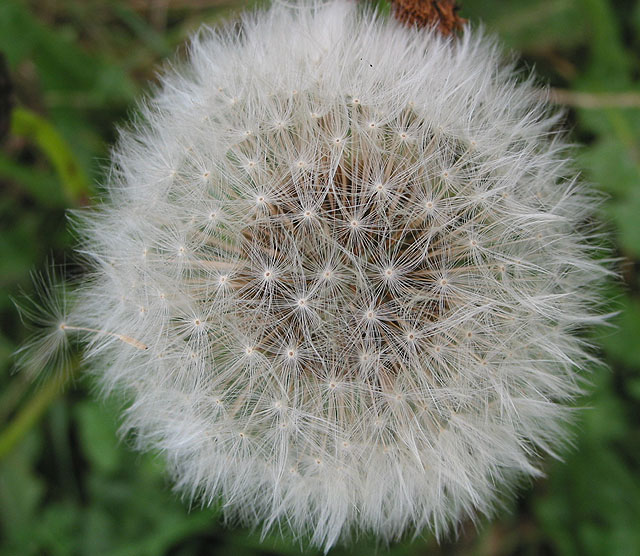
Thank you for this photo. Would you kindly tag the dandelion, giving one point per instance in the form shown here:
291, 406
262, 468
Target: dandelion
341, 271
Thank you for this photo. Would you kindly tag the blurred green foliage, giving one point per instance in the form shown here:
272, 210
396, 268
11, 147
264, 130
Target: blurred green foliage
68, 486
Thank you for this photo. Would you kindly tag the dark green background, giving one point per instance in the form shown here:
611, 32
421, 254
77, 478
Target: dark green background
67, 486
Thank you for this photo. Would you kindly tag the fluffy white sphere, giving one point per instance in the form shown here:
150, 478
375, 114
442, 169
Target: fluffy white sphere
341, 272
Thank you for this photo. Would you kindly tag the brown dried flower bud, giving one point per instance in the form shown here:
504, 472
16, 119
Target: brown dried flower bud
442, 14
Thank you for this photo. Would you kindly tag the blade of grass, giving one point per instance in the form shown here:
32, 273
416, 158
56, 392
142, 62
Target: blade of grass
33, 410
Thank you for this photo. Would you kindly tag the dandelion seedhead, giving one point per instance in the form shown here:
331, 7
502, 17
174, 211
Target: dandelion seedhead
341, 271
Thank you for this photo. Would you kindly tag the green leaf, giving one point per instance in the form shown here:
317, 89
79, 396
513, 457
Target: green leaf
531, 25
21, 492
626, 214
98, 432
610, 61
608, 165
622, 343
73, 181
57, 528
81, 90
41, 185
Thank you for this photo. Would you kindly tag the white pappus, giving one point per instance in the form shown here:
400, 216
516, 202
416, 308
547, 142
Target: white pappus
341, 270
